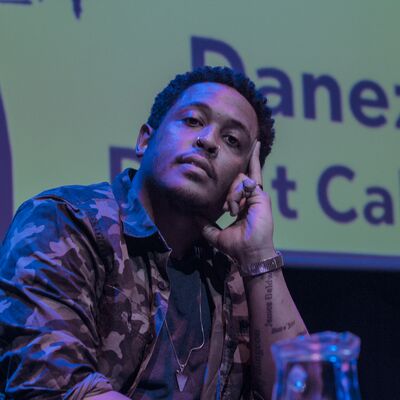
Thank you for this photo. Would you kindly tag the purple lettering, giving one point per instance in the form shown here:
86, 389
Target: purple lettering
377, 99
310, 86
397, 93
6, 184
202, 45
284, 90
283, 185
323, 185
385, 205
117, 155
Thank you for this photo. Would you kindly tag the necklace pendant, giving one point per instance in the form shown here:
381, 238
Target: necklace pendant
181, 379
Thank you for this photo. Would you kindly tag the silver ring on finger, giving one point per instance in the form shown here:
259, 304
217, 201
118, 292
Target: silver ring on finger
248, 187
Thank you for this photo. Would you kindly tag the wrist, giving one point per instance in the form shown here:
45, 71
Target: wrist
256, 256
262, 266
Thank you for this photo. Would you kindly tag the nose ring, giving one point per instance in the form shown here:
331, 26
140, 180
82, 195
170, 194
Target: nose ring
212, 150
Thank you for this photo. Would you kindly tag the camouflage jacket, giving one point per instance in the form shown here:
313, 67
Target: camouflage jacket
84, 294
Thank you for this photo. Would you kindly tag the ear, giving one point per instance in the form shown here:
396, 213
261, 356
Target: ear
142, 142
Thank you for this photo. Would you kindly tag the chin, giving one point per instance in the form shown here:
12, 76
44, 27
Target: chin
189, 200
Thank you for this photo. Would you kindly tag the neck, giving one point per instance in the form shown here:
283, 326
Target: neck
177, 226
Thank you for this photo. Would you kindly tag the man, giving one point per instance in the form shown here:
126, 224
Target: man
132, 291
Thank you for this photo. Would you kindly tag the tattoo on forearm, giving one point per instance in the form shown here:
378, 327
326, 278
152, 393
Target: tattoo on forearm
268, 299
285, 327
257, 353
302, 333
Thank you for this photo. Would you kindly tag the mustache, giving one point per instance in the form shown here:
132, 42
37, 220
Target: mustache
196, 158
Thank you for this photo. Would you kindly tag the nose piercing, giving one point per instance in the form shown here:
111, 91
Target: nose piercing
212, 150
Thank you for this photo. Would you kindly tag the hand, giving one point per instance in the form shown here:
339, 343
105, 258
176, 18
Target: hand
249, 238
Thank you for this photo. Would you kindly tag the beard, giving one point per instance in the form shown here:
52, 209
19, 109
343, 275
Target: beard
186, 200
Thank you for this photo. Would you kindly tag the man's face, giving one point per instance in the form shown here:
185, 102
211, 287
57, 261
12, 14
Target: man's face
204, 141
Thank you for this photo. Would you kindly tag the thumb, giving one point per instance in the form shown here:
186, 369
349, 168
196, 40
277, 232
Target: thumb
211, 234
209, 231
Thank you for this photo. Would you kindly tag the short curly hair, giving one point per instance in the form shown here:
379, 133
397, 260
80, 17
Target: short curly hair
226, 76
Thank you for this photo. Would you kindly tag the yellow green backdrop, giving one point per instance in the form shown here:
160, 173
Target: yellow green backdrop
77, 79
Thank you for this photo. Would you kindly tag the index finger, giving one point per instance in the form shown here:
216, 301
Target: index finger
255, 166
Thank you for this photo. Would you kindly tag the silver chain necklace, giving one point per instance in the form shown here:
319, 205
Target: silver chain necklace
182, 378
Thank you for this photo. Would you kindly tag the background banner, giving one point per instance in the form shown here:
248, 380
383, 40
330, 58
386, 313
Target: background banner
77, 79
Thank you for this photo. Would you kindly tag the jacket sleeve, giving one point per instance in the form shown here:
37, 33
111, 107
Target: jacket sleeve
51, 276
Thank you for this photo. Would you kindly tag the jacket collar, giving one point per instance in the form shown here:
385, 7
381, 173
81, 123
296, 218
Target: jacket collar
137, 225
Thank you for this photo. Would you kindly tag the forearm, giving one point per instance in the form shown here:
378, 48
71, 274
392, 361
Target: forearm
273, 316
47, 305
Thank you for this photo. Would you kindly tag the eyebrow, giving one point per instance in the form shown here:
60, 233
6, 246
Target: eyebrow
234, 123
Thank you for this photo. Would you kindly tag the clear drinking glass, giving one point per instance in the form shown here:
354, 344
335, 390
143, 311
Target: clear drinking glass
322, 366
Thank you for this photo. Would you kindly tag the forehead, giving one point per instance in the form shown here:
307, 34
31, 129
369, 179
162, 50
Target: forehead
224, 102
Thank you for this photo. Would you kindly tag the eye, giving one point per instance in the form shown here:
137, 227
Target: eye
192, 122
232, 141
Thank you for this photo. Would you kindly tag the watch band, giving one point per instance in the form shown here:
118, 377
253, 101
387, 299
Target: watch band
263, 266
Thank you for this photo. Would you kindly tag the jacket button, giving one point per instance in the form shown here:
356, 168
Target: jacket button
163, 285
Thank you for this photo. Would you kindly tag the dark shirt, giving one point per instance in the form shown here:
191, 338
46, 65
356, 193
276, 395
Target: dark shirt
183, 318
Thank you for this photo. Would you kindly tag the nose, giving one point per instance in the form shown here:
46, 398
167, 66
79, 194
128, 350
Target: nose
207, 143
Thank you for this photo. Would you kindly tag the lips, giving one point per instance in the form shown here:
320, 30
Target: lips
198, 161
